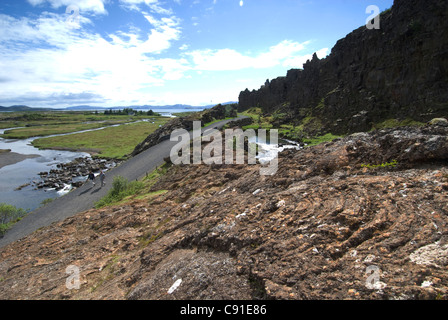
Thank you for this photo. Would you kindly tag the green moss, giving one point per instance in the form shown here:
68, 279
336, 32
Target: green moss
321, 104
151, 195
320, 139
394, 123
108, 272
391, 164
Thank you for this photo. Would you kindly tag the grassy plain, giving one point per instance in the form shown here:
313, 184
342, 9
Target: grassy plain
36, 124
109, 142
112, 142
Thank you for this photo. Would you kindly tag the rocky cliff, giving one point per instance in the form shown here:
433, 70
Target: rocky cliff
397, 72
363, 217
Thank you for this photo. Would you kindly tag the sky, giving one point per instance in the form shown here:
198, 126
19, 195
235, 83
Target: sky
105, 53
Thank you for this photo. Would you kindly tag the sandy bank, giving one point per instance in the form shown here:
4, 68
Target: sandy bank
7, 157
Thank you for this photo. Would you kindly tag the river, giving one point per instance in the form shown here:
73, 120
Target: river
25, 172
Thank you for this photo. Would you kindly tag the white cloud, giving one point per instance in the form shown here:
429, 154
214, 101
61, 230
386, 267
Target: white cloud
94, 6
286, 53
184, 47
298, 61
152, 4
43, 61
219, 60
45, 58
166, 30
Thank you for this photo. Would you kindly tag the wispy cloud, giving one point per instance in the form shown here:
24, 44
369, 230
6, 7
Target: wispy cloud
153, 5
45, 61
93, 6
44, 58
165, 31
286, 53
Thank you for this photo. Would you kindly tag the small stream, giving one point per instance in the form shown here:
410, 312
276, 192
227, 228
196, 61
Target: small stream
268, 151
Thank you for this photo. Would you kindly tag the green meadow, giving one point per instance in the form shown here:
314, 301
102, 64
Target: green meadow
110, 142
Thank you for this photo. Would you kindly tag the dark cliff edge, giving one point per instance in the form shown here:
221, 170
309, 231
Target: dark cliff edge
397, 72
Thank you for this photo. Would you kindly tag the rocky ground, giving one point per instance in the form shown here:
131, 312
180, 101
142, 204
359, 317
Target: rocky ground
72, 172
341, 220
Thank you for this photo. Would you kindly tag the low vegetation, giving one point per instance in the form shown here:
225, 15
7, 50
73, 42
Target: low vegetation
113, 142
8, 216
387, 165
123, 190
393, 123
37, 124
295, 132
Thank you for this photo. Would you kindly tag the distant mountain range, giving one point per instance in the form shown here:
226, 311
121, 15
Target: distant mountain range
19, 108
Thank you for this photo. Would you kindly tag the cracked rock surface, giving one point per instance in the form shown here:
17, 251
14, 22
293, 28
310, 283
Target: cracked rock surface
325, 226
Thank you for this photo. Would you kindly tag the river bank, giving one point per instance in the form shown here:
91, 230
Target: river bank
7, 157
67, 176
34, 174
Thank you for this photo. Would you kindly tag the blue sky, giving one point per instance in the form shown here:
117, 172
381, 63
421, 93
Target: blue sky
59, 53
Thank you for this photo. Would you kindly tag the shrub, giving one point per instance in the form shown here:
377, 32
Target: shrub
8, 216
121, 188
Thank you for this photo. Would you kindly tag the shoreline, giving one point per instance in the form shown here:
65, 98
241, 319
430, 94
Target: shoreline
73, 173
8, 158
93, 152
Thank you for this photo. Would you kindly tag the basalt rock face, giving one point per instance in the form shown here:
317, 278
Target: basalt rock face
397, 72
332, 223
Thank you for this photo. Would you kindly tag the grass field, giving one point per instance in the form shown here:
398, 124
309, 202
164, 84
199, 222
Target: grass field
46, 130
38, 124
113, 142
110, 142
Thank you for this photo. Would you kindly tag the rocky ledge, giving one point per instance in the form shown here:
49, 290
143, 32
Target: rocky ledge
73, 173
363, 217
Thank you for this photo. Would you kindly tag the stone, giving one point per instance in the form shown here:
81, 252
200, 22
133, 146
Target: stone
439, 122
